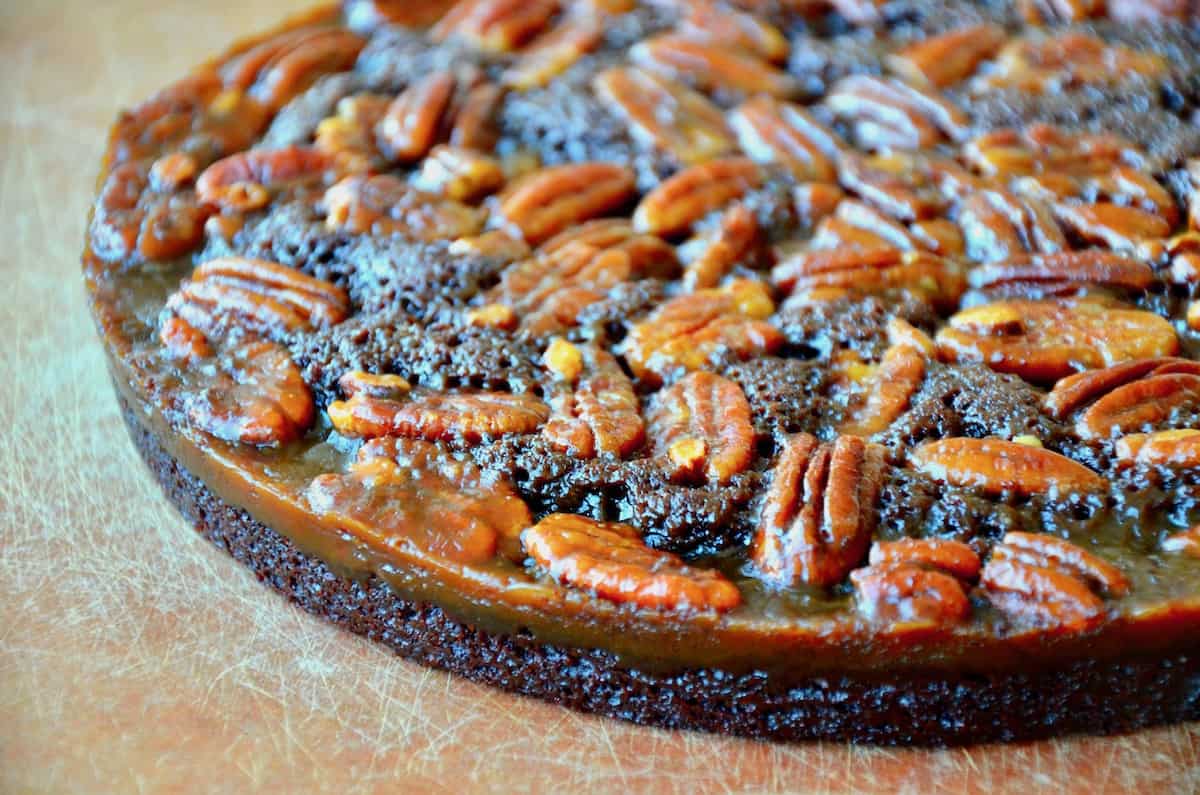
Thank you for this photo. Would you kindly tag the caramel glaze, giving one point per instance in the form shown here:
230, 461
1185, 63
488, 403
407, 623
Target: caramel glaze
501, 597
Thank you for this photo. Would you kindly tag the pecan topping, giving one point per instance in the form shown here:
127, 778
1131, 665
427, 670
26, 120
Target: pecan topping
1046, 149
1075, 390
1048, 63
548, 201
460, 174
871, 270
713, 67
943, 60
770, 131
685, 198
735, 241
1140, 404
664, 114
475, 118
611, 561
434, 416
402, 493
1000, 225
701, 425
917, 581
278, 69
888, 392
413, 122
715, 24
1180, 448
367, 15
1110, 224
183, 341
601, 412
554, 52
1050, 583
576, 269
1037, 12
894, 183
495, 25
819, 512
995, 467
257, 295
890, 114
385, 205
135, 220
247, 180
349, 135
1043, 341
1064, 269
252, 393
685, 332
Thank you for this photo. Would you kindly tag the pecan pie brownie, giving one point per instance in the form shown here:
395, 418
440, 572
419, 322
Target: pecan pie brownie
788, 368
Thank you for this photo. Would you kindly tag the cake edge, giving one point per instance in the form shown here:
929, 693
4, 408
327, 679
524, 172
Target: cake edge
933, 710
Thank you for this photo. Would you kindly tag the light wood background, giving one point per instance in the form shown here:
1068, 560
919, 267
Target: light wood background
136, 658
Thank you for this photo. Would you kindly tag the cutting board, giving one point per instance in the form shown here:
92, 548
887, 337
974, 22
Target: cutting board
134, 657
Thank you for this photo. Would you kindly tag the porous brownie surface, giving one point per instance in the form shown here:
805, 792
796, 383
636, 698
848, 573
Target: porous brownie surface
786, 328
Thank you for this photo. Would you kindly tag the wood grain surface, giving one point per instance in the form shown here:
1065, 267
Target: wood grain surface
136, 658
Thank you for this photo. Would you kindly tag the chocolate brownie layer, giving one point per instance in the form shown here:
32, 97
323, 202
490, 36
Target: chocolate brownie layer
1089, 696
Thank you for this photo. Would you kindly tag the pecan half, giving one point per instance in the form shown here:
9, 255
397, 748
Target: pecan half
611, 561
349, 135
1043, 341
995, 466
1075, 390
600, 414
1039, 63
1047, 149
414, 121
252, 393
475, 118
871, 270
952, 557
1050, 583
547, 291
770, 131
736, 240
916, 580
819, 512
460, 174
943, 60
403, 493
889, 114
1066, 268
246, 181
1139, 405
134, 220
715, 24
711, 67
701, 426
895, 183
495, 25
1000, 225
1112, 225
551, 200
1178, 448
683, 199
182, 341
385, 205
434, 416
554, 52
664, 114
257, 295
278, 69
685, 332
888, 391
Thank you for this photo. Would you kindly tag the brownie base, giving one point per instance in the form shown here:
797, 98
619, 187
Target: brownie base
1091, 696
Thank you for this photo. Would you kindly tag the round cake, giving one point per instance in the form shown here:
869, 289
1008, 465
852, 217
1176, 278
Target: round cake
786, 368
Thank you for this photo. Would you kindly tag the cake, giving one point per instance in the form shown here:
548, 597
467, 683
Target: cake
796, 369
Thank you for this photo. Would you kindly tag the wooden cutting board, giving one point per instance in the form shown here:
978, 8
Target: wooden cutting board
134, 657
